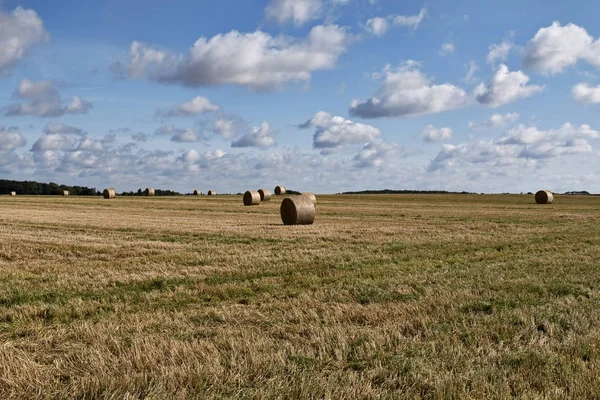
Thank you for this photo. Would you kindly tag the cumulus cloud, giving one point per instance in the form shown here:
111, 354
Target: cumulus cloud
407, 91
11, 139
260, 136
496, 121
555, 48
140, 137
198, 105
447, 49
583, 93
332, 131
44, 101
298, 11
431, 134
499, 52
179, 135
229, 127
375, 154
520, 146
20, 30
55, 141
58, 127
262, 61
379, 26
505, 87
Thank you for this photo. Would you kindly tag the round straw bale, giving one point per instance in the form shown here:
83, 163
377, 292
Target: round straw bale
311, 196
13, 194
197, 192
149, 192
65, 193
297, 210
544, 197
109, 193
251, 198
265, 195
211, 193
279, 190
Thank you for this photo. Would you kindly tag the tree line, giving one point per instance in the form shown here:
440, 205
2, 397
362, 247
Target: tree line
37, 188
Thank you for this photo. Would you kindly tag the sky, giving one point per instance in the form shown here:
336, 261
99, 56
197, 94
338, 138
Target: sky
315, 95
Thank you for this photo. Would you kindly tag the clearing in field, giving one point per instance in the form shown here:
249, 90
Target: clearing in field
384, 296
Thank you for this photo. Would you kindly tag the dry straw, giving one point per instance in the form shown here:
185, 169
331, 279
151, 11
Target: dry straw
297, 210
251, 198
13, 194
544, 197
211, 193
265, 195
65, 193
109, 193
149, 192
197, 192
311, 196
279, 190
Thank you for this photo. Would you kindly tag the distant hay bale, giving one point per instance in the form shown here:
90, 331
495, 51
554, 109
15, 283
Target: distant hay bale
197, 192
109, 193
279, 190
65, 193
297, 210
251, 198
211, 193
265, 195
544, 197
13, 194
311, 196
149, 192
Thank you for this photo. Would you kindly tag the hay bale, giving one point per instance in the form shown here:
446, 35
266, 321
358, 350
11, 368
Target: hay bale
109, 193
149, 192
279, 190
311, 196
197, 192
251, 198
65, 193
544, 197
13, 194
297, 210
211, 193
265, 195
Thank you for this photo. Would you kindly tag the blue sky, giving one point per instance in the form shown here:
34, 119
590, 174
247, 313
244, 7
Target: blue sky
320, 95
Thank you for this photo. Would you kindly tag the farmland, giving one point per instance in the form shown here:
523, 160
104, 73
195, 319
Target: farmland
399, 296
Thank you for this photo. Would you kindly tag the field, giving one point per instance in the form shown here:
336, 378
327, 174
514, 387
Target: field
385, 296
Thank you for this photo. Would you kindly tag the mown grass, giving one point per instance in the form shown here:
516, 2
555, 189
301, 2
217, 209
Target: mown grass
387, 296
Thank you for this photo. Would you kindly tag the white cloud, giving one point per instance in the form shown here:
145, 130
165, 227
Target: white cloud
58, 127
260, 136
44, 101
298, 11
521, 147
505, 87
447, 49
228, 128
262, 61
496, 121
55, 141
332, 132
586, 94
198, 105
471, 68
19, 31
179, 135
432, 134
407, 91
555, 48
89, 144
375, 154
379, 26
11, 139
499, 52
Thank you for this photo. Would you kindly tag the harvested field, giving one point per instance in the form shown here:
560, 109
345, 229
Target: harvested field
397, 296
